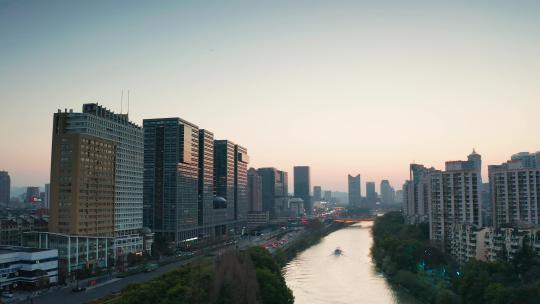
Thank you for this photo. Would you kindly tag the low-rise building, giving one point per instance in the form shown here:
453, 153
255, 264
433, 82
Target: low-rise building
12, 228
467, 242
74, 252
504, 243
27, 268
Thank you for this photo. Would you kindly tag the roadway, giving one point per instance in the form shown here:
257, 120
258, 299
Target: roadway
65, 295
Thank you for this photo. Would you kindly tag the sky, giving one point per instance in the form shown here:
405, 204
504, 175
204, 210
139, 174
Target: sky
342, 86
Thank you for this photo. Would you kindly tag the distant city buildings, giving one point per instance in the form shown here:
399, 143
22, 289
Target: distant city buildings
387, 193
5, 187
317, 193
371, 194
32, 195
275, 192
328, 195
355, 191
302, 186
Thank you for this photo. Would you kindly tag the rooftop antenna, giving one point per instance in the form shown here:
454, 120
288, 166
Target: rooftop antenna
121, 101
128, 104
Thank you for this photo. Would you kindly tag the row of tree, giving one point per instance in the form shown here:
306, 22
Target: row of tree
404, 253
239, 277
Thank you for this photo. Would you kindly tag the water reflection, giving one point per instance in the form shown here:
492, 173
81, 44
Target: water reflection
318, 276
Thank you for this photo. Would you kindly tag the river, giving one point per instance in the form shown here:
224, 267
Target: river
317, 276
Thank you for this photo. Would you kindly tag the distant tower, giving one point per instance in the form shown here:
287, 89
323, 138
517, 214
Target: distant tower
354, 190
476, 159
302, 186
5, 184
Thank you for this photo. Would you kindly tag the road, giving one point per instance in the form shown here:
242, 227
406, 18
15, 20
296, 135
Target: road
65, 295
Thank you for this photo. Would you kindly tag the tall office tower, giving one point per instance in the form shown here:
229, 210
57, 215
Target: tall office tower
275, 191
302, 186
171, 170
416, 210
47, 200
317, 193
371, 194
515, 192
453, 198
32, 194
328, 195
398, 197
224, 180
105, 152
387, 192
355, 192
206, 181
254, 191
5, 186
241, 204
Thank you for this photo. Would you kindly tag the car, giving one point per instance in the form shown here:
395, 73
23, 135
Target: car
78, 289
7, 295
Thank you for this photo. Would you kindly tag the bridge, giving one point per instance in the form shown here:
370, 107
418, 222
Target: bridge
354, 220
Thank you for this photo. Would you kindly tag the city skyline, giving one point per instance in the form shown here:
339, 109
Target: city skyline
282, 73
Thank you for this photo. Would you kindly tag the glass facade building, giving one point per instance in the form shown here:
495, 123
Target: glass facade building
171, 170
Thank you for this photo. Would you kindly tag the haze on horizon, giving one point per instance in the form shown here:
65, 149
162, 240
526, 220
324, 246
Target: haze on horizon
341, 86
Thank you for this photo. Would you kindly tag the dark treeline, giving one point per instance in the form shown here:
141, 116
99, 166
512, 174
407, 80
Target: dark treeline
239, 277
404, 253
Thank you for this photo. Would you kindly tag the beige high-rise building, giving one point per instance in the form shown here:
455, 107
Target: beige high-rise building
82, 183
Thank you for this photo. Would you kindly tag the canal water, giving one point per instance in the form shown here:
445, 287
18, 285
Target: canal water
317, 276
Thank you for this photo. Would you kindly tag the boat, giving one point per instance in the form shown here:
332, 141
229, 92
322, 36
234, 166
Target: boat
338, 251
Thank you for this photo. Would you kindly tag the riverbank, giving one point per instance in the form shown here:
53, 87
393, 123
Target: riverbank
404, 254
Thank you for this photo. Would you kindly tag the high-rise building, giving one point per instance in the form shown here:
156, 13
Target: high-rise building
96, 177
317, 193
32, 195
371, 194
328, 195
355, 192
5, 186
254, 191
387, 192
206, 182
241, 203
515, 192
529, 160
224, 180
171, 170
47, 199
453, 197
302, 185
398, 198
275, 189
416, 209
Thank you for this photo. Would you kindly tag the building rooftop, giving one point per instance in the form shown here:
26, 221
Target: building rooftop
11, 249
